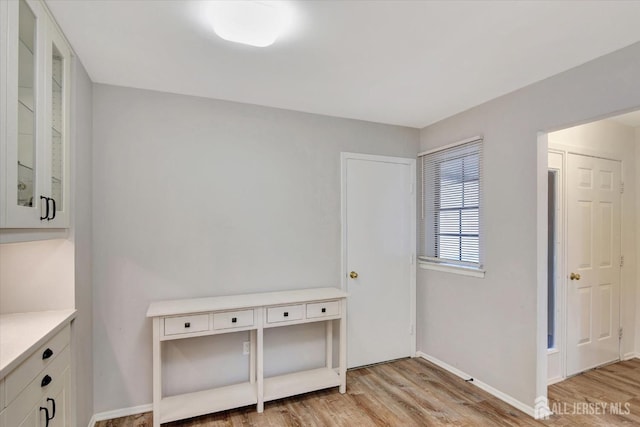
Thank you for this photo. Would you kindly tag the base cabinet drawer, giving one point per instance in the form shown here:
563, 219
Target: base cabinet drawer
48, 390
285, 313
186, 324
323, 309
233, 319
41, 359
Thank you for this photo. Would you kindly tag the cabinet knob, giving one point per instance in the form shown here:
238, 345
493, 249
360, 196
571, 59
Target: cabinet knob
47, 354
46, 381
324, 310
187, 324
286, 314
234, 320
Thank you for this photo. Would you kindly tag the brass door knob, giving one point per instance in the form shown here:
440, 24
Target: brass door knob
353, 275
574, 276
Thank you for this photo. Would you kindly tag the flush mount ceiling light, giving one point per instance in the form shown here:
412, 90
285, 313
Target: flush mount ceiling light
256, 23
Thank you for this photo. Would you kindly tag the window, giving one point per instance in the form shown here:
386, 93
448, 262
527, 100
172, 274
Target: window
451, 205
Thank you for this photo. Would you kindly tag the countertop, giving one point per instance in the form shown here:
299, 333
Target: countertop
23, 333
234, 302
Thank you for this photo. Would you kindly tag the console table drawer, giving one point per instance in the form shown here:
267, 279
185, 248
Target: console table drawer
285, 313
186, 324
233, 319
323, 309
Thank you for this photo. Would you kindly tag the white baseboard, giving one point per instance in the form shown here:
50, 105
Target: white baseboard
553, 381
117, 413
630, 355
527, 409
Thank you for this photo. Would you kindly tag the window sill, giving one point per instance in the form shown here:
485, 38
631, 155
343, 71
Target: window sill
451, 268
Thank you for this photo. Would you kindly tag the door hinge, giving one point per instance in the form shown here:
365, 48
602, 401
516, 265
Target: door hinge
620, 333
621, 260
622, 188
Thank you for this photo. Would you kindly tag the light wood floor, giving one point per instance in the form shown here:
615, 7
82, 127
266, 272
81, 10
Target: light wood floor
414, 392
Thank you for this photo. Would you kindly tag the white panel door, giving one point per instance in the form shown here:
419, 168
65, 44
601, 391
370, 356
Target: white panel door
379, 235
593, 290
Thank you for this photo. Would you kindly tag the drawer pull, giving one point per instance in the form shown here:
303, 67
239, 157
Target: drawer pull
46, 381
46, 414
47, 354
324, 310
53, 407
234, 320
286, 314
187, 324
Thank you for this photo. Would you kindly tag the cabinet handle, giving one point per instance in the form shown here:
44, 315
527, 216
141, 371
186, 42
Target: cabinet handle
286, 314
46, 414
187, 324
324, 310
53, 405
46, 213
234, 320
47, 354
46, 381
53, 201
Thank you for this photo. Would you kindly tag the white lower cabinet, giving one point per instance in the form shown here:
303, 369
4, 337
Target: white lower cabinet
42, 400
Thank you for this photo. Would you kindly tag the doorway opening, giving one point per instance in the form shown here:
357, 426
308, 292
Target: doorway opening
590, 294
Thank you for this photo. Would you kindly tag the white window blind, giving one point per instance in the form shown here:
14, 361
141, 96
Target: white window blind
452, 204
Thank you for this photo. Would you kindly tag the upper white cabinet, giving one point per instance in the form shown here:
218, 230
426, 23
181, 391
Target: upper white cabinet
35, 116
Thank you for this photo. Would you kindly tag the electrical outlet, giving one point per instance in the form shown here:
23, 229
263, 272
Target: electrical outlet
246, 346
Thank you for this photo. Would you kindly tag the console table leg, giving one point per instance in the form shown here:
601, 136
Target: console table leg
252, 356
343, 348
157, 372
260, 372
329, 343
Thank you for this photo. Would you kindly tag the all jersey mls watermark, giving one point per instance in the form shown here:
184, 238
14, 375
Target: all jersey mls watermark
590, 408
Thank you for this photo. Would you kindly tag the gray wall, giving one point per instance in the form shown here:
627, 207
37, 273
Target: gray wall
488, 327
81, 230
196, 197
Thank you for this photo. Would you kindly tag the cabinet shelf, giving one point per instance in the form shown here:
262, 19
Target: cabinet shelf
28, 107
299, 382
203, 402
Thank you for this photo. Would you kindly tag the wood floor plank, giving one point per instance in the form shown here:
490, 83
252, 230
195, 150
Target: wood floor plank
414, 392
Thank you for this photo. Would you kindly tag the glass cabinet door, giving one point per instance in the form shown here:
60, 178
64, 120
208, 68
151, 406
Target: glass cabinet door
35, 82
58, 98
26, 149
57, 126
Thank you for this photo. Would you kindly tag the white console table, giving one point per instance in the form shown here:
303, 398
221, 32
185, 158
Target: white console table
198, 317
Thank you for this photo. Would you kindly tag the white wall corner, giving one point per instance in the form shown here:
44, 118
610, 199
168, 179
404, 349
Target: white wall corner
527, 409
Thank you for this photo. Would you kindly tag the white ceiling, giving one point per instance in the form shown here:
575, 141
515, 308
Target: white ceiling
401, 62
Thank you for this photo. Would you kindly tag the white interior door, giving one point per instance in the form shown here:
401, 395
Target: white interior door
593, 262
379, 242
